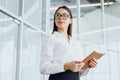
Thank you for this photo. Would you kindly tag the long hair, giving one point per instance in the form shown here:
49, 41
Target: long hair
69, 31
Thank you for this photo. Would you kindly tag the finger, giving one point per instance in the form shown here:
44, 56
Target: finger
77, 66
77, 61
77, 69
92, 65
80, 65
94, 60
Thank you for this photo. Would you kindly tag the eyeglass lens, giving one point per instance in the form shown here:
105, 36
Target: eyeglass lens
64, 16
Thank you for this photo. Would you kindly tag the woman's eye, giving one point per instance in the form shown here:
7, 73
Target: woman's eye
66, 15
57, 15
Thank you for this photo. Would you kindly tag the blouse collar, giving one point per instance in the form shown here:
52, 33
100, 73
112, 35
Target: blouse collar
62, 35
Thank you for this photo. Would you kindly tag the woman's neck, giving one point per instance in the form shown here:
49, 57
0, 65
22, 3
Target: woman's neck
64, 32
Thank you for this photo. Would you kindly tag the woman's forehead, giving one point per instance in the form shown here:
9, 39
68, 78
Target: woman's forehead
61, 10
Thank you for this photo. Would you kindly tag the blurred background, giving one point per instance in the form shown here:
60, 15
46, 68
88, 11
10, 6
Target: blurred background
25, 23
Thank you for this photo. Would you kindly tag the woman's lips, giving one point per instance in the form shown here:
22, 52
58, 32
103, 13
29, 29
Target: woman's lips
61, 22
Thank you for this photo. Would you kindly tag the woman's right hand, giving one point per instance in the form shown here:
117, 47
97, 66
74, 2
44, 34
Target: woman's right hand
74, 66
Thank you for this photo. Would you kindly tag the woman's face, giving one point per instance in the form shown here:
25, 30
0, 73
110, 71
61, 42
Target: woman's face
62, 19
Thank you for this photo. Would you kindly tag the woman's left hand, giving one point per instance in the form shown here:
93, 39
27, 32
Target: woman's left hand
92, 63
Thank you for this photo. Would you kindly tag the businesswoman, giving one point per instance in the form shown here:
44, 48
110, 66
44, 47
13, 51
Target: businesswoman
58, 57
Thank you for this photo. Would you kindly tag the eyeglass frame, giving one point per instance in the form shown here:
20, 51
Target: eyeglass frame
62, 15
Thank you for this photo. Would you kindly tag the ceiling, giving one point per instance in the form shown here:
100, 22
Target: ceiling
72, 4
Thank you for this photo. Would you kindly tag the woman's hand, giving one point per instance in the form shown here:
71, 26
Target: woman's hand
74, 66
92, 63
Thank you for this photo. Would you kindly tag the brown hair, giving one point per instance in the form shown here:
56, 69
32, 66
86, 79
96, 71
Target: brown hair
69, 31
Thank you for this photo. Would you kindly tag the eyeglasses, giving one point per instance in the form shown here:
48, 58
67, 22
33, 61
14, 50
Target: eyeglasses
64, 16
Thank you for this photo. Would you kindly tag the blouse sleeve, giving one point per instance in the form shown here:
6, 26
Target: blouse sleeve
47, 63
83, 72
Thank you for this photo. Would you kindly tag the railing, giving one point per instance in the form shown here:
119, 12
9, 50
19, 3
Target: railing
19, 19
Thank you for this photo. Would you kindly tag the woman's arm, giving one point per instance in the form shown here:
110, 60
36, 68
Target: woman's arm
47, 63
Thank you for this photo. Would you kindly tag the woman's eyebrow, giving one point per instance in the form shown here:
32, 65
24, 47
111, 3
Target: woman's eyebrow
61, 13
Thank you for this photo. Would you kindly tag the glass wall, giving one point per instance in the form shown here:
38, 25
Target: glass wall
10, 5
32, 8
8, 47
30, 54
90, 20
20, 39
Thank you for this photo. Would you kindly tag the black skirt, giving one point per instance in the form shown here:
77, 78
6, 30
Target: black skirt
67, 75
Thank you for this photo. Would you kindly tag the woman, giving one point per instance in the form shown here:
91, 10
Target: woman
57, 56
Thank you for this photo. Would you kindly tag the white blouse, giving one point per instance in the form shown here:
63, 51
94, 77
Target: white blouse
56, 51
